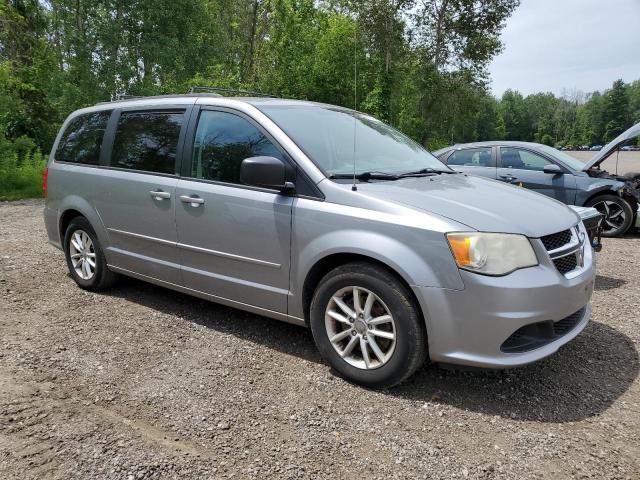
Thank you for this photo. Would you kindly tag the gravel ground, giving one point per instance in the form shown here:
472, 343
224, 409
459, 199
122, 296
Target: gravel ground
142, 382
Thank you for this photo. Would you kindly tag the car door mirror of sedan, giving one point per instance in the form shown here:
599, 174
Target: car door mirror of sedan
552, 169
266, 172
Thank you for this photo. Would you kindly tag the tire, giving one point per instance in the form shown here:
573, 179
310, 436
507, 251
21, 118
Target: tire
401, 356
617, 211
86, 249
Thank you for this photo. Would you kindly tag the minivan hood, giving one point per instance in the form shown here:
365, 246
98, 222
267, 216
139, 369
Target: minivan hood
482, 204
612, 146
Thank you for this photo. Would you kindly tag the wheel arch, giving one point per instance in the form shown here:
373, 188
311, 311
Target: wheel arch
630, 199
599, 193
74, 206
65, 220
329, 262
601, 186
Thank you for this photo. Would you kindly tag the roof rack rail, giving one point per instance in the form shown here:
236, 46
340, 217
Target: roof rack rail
123, 96
197, 89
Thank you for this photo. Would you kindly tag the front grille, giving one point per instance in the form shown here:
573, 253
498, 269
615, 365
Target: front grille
536, 335
556, 240
554, 244
566, 264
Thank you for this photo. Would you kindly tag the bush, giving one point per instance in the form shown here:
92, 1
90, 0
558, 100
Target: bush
21, 172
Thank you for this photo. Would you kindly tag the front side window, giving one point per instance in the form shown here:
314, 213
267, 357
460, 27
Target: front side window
340, 141
522, 159
567, 159
147, 141
472, 157
223, 140
82, 139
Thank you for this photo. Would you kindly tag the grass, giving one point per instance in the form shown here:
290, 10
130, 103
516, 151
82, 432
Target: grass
21, 178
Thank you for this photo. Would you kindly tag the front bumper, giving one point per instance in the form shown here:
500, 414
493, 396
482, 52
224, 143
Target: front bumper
469, 327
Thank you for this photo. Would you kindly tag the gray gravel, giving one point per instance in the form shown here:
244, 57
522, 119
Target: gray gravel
142, 382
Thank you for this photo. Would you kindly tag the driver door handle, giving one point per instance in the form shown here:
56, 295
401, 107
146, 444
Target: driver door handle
508, 177
193, 201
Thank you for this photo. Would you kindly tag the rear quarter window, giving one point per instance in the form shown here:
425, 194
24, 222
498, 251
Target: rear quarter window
82, 139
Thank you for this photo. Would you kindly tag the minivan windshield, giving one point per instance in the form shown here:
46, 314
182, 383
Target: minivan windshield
327, 135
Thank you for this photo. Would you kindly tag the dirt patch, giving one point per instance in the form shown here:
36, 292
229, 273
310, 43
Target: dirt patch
142, 382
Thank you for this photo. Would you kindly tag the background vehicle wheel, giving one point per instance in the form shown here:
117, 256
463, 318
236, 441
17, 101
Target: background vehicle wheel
618, 214
367, 326
85, 258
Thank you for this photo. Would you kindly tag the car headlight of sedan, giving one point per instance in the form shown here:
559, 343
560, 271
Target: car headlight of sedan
491, 253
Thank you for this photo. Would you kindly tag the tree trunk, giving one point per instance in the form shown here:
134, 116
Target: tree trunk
252, 40
438, 54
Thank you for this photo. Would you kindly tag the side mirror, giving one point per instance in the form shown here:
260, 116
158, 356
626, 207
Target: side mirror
552, 169
266, 172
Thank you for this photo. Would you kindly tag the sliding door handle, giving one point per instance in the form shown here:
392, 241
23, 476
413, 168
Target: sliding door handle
193, 201
159, 194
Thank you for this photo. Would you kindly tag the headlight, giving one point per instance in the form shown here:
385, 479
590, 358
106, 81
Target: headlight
491, 253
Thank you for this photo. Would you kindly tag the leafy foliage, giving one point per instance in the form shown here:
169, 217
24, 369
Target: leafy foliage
421, 66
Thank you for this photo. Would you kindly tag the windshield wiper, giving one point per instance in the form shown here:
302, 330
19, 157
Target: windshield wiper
425, 171
365, 176
373, 175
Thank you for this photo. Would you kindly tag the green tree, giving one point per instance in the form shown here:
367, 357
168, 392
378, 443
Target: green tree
616, 111
489, 122
514, 113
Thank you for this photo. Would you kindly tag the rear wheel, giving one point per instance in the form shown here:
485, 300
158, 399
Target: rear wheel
85, 259
618, 214
367, 326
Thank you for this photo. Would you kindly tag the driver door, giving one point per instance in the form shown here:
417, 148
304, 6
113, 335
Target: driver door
234, 239
525, 168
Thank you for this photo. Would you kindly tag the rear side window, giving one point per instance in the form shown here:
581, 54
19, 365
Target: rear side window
82, 139
223, 140
147, 141
472, 157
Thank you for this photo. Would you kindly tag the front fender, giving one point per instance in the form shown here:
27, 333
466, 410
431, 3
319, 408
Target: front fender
597, 187
421, 256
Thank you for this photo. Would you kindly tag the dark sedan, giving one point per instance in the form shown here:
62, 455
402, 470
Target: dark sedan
556, 174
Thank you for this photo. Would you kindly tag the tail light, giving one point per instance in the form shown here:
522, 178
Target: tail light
45, 182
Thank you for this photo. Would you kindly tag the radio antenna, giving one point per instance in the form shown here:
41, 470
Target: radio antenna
355, 98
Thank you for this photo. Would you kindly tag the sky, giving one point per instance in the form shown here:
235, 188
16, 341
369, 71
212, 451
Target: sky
561, 46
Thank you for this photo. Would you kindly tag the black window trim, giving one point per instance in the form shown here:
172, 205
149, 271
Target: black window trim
297, 173
530, 150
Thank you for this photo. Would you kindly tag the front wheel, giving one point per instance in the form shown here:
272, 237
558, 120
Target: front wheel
618, 214
367, 326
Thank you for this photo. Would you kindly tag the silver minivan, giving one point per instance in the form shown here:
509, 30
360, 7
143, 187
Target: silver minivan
319, 216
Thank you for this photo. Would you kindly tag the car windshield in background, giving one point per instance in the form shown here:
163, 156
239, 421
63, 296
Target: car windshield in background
327, 136
572, 162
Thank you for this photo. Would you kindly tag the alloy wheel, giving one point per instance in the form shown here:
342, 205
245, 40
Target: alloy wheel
83, 255
614, 215
360, 327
